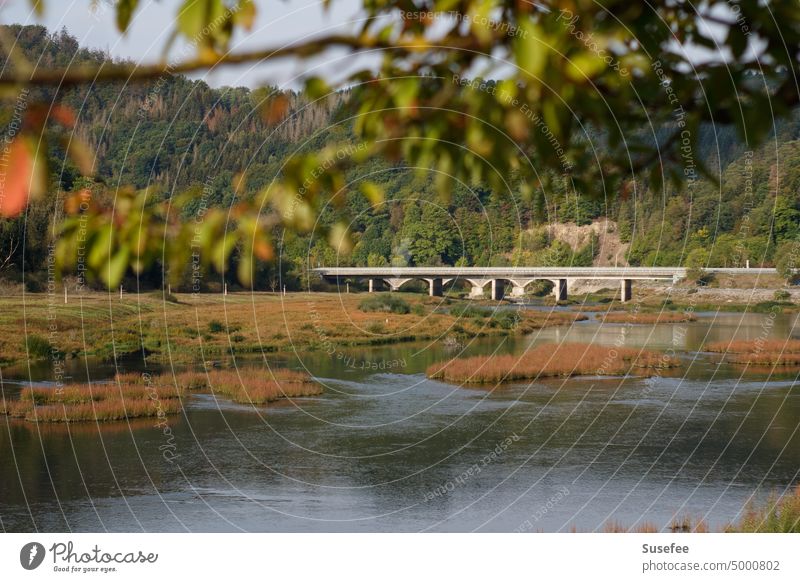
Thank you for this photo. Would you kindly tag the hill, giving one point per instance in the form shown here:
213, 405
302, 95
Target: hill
176, 134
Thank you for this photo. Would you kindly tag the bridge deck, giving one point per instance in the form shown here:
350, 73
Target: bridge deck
529, 272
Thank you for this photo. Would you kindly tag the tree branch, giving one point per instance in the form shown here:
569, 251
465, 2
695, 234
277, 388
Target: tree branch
135, 73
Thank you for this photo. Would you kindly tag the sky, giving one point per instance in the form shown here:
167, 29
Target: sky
278, 23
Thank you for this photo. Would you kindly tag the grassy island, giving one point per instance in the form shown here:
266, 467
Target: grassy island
552, 360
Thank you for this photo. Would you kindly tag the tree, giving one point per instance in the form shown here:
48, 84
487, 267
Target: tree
420, 107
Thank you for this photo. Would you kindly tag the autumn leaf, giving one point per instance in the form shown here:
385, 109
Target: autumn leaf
14, 193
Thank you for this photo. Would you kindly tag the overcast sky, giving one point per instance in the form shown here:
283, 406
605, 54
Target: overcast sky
279, 22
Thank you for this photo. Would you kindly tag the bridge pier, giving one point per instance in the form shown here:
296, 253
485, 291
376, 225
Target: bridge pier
476, 292
560, 289
626, 290
395, 283
373, 283
498, 289
435, 287
518, 286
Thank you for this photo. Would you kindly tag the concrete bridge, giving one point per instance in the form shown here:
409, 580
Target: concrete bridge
518, 278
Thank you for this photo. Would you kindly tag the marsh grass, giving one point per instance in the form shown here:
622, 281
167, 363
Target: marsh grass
551, 360
759, 352
260, 322
385, 303
750, 346
646, 318
780, 514
248, 385
133, 395
93, 402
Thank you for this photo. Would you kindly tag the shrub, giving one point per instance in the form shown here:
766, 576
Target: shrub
419, 309
505, 319
386, 303
38, 347
782, 295
215, 326
375, 327
170, 298
471, 311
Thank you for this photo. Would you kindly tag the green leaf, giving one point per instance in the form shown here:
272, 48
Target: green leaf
195, 16
125, 10
117, 265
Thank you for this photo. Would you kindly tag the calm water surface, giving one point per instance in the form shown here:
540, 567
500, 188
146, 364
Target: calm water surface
388, 450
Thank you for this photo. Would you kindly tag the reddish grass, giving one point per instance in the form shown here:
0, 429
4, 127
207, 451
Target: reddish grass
251, 385
550, 360
104, 410
753, 346
759, 352
93, 402
660, 317
683, 525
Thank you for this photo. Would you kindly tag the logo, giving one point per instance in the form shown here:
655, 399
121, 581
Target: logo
31, 555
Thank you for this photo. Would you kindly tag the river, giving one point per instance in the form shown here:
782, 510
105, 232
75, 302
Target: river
385, 449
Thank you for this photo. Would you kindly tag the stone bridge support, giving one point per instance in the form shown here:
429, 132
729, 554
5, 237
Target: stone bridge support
395, 283
434, 287
476, 292
374, 284
518, 286
560, 289
626, 290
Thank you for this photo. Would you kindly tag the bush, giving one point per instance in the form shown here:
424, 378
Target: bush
470, 311
700, 277
505, 319
782, 295
419, 309
375, 327
170, 298
385, 303
215, 326
38, 347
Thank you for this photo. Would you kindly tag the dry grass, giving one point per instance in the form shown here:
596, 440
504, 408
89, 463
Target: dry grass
750, 346
551, 360
644, 318
759, 352
683, 525
249, 385
130, 396
93, 402
213, 326
780, 514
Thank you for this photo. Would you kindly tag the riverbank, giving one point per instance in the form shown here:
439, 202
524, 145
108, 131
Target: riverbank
199, 328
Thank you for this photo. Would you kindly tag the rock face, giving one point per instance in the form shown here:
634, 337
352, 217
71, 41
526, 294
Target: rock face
612, 250
612, 253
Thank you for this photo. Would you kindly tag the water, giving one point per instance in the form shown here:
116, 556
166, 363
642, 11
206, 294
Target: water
388, 450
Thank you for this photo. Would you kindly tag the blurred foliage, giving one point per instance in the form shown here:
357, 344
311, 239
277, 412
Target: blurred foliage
595, 106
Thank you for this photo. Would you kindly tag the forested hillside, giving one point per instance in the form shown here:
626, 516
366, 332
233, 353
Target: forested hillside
175, 134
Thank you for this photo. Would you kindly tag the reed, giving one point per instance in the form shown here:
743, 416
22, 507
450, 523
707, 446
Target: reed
551, 360
251, 385
759, 352
105, 410
780, 514
93, 402
754, 346
646, 318
766, 359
